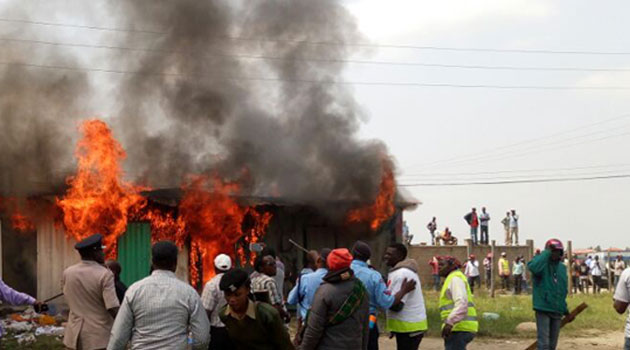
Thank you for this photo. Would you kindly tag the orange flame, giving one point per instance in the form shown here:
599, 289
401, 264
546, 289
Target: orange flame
21, 221
383, 206
98, 200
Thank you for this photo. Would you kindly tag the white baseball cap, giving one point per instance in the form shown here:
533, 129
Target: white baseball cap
223, 262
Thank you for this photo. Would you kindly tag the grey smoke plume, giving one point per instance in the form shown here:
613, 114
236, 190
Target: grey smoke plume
197, 105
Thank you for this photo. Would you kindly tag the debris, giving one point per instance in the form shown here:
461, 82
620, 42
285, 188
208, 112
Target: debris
19, 327
50, 330
526, 327
25, 339
490, 316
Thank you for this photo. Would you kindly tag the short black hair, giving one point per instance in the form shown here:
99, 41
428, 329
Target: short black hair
268, 251
164, 255
234, 279
402, 250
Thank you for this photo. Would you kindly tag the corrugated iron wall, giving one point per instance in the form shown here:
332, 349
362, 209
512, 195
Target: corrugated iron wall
134, 252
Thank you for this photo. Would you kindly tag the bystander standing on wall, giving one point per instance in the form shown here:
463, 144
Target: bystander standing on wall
506, 228
432, 226
473, 220
514, 227
484, 221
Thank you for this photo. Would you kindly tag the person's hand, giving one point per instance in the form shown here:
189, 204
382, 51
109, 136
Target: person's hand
569, 318
408, 285
40, 307
447, 330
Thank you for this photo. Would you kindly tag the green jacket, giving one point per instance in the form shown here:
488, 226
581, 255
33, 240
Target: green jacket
550, 284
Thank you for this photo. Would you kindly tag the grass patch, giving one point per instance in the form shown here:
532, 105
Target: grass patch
514, 310
42, 343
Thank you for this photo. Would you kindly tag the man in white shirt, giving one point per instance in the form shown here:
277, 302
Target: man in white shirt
514, 227
618, 266
596, 273
622, 300
472, 272
160, 311
213, 301
484, 222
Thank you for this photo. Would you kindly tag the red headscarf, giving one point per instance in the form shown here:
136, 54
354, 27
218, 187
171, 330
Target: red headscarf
339, 259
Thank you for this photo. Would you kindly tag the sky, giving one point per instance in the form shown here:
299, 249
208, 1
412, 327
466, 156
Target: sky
457, 134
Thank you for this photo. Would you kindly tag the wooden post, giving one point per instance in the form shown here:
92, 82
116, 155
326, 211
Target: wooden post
570, 267
1, 256
492, 268
608, 270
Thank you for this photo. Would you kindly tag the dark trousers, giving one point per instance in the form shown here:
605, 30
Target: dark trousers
518, 284
408, 341
473, 235
548, 329
488, 278
484, 235
471, 282
219, 339
576, 284
436, 282
458, 340
505, 282
373, 338
596, 284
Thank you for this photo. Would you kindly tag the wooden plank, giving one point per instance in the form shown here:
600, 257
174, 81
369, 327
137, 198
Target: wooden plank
578, 310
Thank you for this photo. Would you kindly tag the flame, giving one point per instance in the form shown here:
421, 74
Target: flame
21, 220
98, 200
383, 206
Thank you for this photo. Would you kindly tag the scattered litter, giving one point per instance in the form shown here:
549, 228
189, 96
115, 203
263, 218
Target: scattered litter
25, 339
19, 327
50, 330
490, 316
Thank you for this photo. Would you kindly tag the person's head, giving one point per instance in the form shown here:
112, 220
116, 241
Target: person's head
504, 255
489, 256
483, 209
310, 259
556, 248
619, 258
590, 257
114, 267
164, 256
265, 264
361, 251
395, 253
472, 257
508, 213
447, 231
597, 257
447, 264
434, 218
323, 255
474, 210
222, 263
339, 259
236, 288
513, 211
91, 248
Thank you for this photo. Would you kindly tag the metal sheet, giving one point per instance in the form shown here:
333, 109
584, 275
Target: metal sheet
134, 252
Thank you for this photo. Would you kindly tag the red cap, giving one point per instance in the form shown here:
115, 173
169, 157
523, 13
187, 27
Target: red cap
339, 259
554, 244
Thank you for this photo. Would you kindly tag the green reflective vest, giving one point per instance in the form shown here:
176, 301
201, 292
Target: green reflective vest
469, 323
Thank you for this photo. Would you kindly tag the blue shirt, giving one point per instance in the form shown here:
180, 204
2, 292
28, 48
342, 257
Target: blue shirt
380, 298
303, 296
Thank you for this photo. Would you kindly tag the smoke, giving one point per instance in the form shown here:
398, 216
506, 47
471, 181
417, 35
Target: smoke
200, 103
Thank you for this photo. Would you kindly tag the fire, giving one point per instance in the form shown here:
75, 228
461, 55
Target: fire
98, 200
20, 219
383, 206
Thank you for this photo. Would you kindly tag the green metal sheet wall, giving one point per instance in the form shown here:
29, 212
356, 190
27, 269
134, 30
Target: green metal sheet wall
134, 252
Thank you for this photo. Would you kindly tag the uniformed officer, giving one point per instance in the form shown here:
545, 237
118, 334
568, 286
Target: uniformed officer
91, 295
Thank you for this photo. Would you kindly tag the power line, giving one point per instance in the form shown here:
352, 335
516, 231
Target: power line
318, 60
325, 82
517, 171
325, 43
491, 177
518, 181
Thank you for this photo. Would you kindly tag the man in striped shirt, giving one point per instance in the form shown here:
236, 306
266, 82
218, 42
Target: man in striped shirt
159, 311
264, 286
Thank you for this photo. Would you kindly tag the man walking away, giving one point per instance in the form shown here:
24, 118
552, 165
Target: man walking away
506, 228
484, 219
457, 306
407, 320
504, 271
618, 267
160, 311
116, 269
514, 227
622, 300
487, 265
596, 273
250, 324
379, 296
432, 226
517, 271
304, 292
550, 280
339, 316
213, 301
295, 295
472, 272
473, 220
435, 273
91, 295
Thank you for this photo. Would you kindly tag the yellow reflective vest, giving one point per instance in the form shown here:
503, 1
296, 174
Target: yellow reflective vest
446, 305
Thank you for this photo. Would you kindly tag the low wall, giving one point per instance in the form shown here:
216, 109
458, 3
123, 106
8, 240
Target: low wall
423, 254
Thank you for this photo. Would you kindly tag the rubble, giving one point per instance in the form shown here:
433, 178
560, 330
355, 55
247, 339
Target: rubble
27, 325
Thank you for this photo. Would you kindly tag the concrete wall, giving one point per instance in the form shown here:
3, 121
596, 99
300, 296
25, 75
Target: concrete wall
422, 254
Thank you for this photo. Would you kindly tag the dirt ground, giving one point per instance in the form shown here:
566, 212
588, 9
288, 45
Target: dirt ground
606, 341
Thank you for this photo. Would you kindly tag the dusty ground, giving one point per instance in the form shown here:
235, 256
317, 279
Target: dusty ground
606, 341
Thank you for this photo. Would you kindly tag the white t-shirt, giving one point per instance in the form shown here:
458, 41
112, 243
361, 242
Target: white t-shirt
514, 220
596, 268
622, 293
414, 309
472, 269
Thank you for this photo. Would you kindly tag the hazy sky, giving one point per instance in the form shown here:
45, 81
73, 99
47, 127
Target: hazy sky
481, 130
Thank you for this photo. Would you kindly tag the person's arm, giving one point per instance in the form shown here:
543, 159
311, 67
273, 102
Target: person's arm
208, 299
500, 267
399, 287
293, 299
123, 325
316, 321
539, 263
198, 322
622, 293
109, 294
384, 299
460, 298
11, 296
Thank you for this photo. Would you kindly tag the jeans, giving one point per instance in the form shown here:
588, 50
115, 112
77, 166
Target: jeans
408, 341
471, 283
488, 278
627, 346
548, 328
505, 282
597, 284
436, 282
473, 235
484, 235
518, 284
458, 340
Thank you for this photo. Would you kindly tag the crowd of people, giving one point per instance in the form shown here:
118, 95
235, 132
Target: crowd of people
590, 273
479, 223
